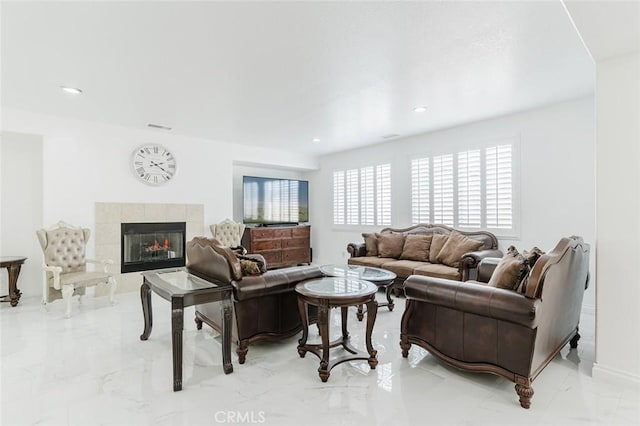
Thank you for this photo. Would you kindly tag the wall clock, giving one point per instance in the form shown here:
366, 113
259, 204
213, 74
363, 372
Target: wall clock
153, 164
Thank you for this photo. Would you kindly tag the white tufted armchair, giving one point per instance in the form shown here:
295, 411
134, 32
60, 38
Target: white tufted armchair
228, 232
65, 264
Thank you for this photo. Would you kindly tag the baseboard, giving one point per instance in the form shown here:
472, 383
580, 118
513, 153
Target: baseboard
608, 374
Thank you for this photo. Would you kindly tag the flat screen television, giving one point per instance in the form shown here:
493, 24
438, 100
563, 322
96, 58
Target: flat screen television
274, 201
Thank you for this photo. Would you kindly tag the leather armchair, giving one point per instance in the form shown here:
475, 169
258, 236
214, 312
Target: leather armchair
265, 307
65, 265
478, 328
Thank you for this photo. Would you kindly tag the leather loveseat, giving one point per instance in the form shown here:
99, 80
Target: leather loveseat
459, 265
512, 333
265, 307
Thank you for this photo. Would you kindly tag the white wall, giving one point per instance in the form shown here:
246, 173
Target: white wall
557, 177
21, 208
618, 217
86, 162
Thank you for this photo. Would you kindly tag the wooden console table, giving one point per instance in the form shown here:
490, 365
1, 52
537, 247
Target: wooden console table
13, 265
183, 289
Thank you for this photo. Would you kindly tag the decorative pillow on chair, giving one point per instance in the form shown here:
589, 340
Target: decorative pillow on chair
437, 242
371, 244
252, 264
510, 270
530, 259
416, 247
390, 245
457, 245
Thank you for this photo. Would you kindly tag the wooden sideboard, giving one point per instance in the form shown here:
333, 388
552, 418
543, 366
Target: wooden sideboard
280, 246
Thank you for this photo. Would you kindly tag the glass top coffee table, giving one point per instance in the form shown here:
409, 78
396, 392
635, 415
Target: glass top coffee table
336, 292
378, 276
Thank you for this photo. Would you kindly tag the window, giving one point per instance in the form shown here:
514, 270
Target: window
471, 189
362, 196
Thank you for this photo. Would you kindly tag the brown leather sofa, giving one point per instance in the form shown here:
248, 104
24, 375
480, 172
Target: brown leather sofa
265, 307
478, 328
403, 268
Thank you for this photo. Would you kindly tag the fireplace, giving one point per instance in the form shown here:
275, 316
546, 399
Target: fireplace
146, 246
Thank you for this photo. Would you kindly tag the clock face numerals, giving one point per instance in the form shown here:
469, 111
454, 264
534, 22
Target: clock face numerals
153, 164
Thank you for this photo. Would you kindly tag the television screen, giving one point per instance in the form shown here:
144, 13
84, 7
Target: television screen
275, 200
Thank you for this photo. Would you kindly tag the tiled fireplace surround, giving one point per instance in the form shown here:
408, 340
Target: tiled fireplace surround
109, 216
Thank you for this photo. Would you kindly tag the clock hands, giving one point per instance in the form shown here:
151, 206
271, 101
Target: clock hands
153, 163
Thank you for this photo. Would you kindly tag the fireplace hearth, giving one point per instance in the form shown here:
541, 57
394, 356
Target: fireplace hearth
147, 246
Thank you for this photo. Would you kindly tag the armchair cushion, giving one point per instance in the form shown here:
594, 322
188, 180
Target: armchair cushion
510, 271
437, 243
416, 247
455, 246
439, 271
390, 245
252, 264
371, 243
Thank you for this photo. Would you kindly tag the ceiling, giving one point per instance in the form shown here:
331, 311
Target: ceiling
280, 74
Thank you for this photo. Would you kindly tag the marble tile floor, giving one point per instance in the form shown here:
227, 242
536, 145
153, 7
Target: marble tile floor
93, 369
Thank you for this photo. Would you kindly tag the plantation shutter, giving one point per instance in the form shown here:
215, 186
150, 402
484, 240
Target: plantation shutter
443, 189
469, 189
366, 196
383, 192
499, 187
353, 199
420, 190
338, 198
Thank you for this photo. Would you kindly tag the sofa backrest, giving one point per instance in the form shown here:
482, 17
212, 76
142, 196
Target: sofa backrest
206, 257
559, 279
488, 239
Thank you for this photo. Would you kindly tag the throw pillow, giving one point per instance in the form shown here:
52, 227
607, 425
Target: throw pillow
510, 270
390, 244
416, 247
437, 242
249, 267
371, 244
457, 245
258, 259
530, 259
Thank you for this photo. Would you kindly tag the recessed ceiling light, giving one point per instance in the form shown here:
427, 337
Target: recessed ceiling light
158, 126
72, 90
316, 140
420, 109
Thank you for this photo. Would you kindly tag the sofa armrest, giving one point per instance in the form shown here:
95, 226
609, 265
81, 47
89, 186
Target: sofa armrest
357, 249
486, 268
474, 298
471, 260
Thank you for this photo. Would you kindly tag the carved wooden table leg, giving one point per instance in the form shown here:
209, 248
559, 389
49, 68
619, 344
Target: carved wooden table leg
14, 293
323, 322
226, 336
145, 297
345, 333
390, 304
304, 317
360, 312
372, 312
177, 318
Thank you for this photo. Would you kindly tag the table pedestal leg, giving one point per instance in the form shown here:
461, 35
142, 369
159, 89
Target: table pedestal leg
304, 317
226, 336
177, 318
372, 311
14, 293
323, 323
